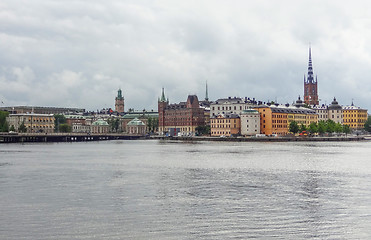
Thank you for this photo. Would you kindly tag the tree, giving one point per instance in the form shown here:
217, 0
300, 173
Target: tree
368, 124
313, 128
58, 120
22, 128
203, 130
4, 127
346, 129
330, 126
12, 128
303, 128
114, 124
150, 124
338, 128
65, 128
294, 127
321, 127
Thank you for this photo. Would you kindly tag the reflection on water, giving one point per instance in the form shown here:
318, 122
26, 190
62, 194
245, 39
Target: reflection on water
172, 190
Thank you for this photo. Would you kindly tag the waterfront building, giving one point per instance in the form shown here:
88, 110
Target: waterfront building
119, 102
250, 122
225, 125
136, 126
78, 123
310, 85
34, 122
273, 120
335, 112
235, 105
181, 118
99, 126
43, 110
322, 112
205, 104
144, 116
355, 117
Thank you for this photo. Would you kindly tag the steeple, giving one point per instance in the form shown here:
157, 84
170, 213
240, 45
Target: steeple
207, 94
310, 78
163, 99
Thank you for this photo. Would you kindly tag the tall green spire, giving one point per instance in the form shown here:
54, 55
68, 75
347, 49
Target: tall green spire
163, 99
207, 94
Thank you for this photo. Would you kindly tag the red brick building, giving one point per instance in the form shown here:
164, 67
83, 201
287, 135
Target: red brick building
180, 119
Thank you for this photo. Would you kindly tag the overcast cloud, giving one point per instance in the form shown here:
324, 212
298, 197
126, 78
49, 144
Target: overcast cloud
72, 53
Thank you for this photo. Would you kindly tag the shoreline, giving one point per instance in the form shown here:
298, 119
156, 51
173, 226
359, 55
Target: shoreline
78, 137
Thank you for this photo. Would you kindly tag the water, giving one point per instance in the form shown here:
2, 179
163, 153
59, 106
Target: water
173, 190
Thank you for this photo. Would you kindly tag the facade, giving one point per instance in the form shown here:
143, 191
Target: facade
355, 117
230, 105
276, 119
136, 126
143, 117
34, 123
225, 125
310, 85
100, 126
119, 102
335, 112
180, 119
322, 112
250, 122
42, 110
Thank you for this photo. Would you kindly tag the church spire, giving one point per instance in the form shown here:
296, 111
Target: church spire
207, 93
310, 78
163, 99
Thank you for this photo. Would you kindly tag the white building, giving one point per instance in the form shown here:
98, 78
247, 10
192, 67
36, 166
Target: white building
230, 105
250, 122
332, 112
33, 122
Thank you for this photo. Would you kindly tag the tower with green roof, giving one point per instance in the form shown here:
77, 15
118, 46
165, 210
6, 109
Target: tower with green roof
119, 102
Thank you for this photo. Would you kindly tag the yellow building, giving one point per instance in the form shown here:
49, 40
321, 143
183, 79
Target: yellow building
34, 123
355, 117
225, 125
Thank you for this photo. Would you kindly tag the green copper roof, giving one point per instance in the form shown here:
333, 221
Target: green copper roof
163, 99
136, 122
100, 123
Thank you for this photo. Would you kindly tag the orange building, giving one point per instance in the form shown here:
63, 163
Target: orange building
225, 125
273, 120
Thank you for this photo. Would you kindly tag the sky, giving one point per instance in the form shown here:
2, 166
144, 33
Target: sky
74, 53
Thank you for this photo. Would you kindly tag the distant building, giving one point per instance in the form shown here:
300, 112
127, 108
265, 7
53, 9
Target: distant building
275, 118
332, 112
43, 110
250, 122
355, 117
228, 105
310, 85
100, 126
119, 102
136, 126
144, 117
225, 125
34, 123
182, 118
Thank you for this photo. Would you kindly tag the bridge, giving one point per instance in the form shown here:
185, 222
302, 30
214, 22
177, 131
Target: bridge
63, 137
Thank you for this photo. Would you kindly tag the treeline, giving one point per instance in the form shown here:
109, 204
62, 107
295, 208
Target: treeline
321, 127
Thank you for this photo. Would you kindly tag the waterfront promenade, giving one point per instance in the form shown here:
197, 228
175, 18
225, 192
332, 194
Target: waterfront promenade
64, 137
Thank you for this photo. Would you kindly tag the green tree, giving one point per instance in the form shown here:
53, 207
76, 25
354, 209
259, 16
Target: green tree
368, 124
321, 127
313, 128
346, 129
59, 119
330, 126
65, 128
12, 128
22, 128
203, 130
114, 124
303, 128
150, 124
294, 127
338, 128
4, 127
